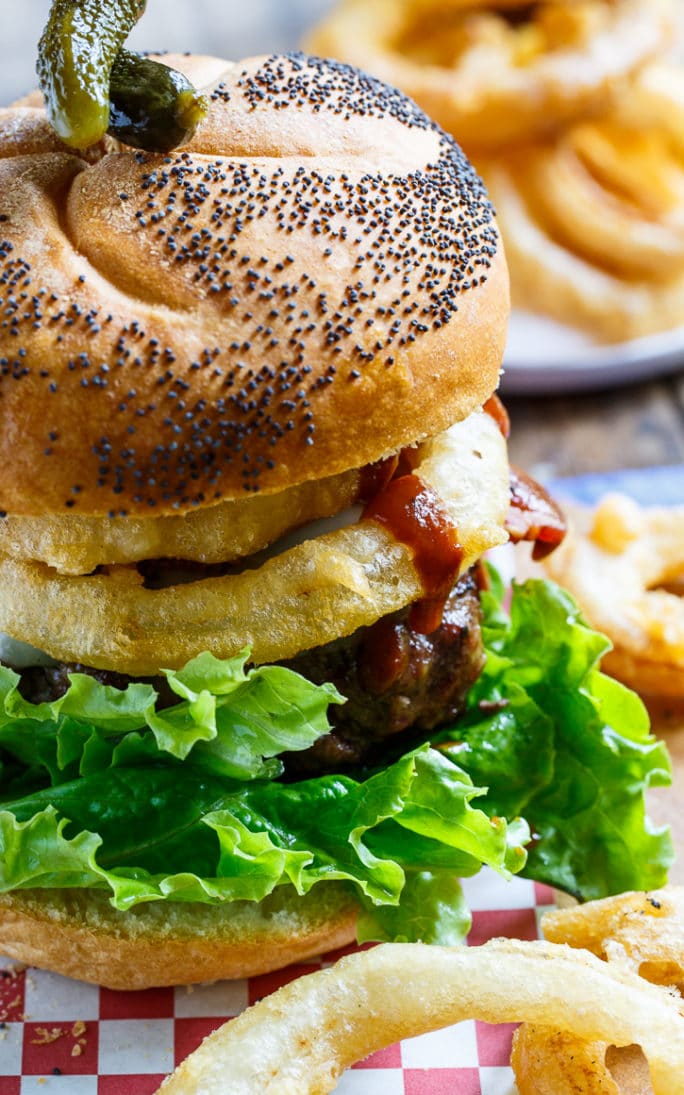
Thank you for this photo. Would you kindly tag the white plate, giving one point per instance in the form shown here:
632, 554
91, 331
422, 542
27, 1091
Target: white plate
545, 358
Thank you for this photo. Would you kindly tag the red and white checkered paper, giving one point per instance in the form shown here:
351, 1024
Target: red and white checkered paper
62, 1037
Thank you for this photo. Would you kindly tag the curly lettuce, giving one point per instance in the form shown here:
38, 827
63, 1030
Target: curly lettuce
546, 775
565, 746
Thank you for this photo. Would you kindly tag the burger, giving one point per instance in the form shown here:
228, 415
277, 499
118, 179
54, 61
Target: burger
260, 692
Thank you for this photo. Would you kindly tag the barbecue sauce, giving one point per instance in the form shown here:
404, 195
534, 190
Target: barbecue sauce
373, 478
386, 654
496, 410
533, 515
413, 513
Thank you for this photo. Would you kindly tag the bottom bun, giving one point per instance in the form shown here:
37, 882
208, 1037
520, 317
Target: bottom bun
79, 934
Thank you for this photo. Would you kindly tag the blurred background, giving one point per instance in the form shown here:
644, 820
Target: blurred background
561, 425
230, 28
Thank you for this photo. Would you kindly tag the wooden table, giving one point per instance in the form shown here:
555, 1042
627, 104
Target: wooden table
636, 426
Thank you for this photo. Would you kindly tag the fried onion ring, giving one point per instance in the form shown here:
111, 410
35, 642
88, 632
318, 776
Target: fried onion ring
303, 1037
306, 596
642, 933
213, 534
618, 562
490, 77
594, 220
551, 1062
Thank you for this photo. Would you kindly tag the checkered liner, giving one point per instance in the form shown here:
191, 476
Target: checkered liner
64, 1037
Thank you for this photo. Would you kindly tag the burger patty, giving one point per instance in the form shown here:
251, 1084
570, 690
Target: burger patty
395, 680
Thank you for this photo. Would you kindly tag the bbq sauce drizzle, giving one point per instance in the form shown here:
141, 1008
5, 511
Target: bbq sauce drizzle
414, 514
532, 515
397, 498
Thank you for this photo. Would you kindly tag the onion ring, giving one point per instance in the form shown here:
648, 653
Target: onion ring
616, 562
549, 1062
642, 933
303, 1037
214, 534
306, 596
593, 221
488, 79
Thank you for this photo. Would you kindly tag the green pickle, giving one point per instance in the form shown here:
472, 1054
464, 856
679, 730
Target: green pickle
92, 85
152, 106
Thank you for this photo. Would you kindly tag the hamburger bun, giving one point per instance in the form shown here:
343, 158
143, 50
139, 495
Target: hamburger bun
77, 933
198, 326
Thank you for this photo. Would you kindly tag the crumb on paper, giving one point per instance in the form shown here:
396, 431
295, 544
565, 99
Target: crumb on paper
8, 1006
78, 1029
76, 1050
47, 1035
12, 970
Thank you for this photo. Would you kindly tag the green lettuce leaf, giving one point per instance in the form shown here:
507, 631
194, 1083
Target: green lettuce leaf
564, 746
104, 789
235, 720
147, 835
433, 910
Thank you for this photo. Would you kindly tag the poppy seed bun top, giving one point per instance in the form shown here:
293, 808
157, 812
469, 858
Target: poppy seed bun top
311, 284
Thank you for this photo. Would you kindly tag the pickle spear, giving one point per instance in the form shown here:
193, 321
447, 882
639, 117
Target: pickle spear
92, 85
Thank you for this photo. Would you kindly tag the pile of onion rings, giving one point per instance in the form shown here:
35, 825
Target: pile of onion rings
495, 72
624, 564
574, 114
303, 1037
593, 218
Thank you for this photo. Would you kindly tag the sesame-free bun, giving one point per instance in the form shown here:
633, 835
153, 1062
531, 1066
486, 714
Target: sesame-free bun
77, 933
314, 282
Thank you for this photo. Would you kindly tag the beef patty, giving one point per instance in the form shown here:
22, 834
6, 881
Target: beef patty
395, 680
